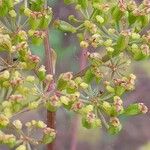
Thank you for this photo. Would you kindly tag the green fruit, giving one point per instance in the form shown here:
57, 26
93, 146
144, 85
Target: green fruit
45, 21
114, 130
34, 23
37, 40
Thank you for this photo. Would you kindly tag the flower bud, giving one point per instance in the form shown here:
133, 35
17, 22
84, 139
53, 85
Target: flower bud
53, 104
17, 124
41, 124
27, 12
77, 106
71, 87
108, 43
7, 112
87, 109
83, 85
9, 139
63, 80
28, 124
84, 44
135, 36
42, 73
100, 19
33, 105
143, 109
111, 30
114, 126
6, 104
22, 35
21, 147
5, 75
78, 80
64, 100
12, 13
4, 121
30, 79
110, 89
34, 59
110, 51
49, 135
134, 47
90, 121
49, 78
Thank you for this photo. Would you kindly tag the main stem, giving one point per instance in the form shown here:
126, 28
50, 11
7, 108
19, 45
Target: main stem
51, 116
83, 62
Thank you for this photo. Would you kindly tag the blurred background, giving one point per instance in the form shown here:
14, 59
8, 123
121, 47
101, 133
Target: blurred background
136, 131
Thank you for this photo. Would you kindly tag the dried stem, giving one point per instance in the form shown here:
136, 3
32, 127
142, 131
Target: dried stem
51, 122
83, 62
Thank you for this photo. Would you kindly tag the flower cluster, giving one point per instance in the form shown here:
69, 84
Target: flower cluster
116, 28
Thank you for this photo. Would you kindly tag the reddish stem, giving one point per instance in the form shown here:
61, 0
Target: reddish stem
51, 117
83, 62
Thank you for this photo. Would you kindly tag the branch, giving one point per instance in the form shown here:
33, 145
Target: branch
83, 71
51, 122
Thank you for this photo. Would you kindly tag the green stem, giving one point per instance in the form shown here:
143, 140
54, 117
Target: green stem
102, 119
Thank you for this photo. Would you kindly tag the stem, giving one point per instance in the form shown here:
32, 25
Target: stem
83, 62
83, 71
103, 119
51, 116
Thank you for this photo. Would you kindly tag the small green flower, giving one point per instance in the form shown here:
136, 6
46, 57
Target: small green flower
17, 124
49, 135
4, 121
21, 147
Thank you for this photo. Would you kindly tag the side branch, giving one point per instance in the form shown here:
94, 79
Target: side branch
83, 71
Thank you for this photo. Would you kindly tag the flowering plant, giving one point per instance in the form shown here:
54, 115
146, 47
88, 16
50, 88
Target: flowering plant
116, 33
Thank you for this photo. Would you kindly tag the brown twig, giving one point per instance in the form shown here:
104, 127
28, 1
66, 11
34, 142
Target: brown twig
51, 122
